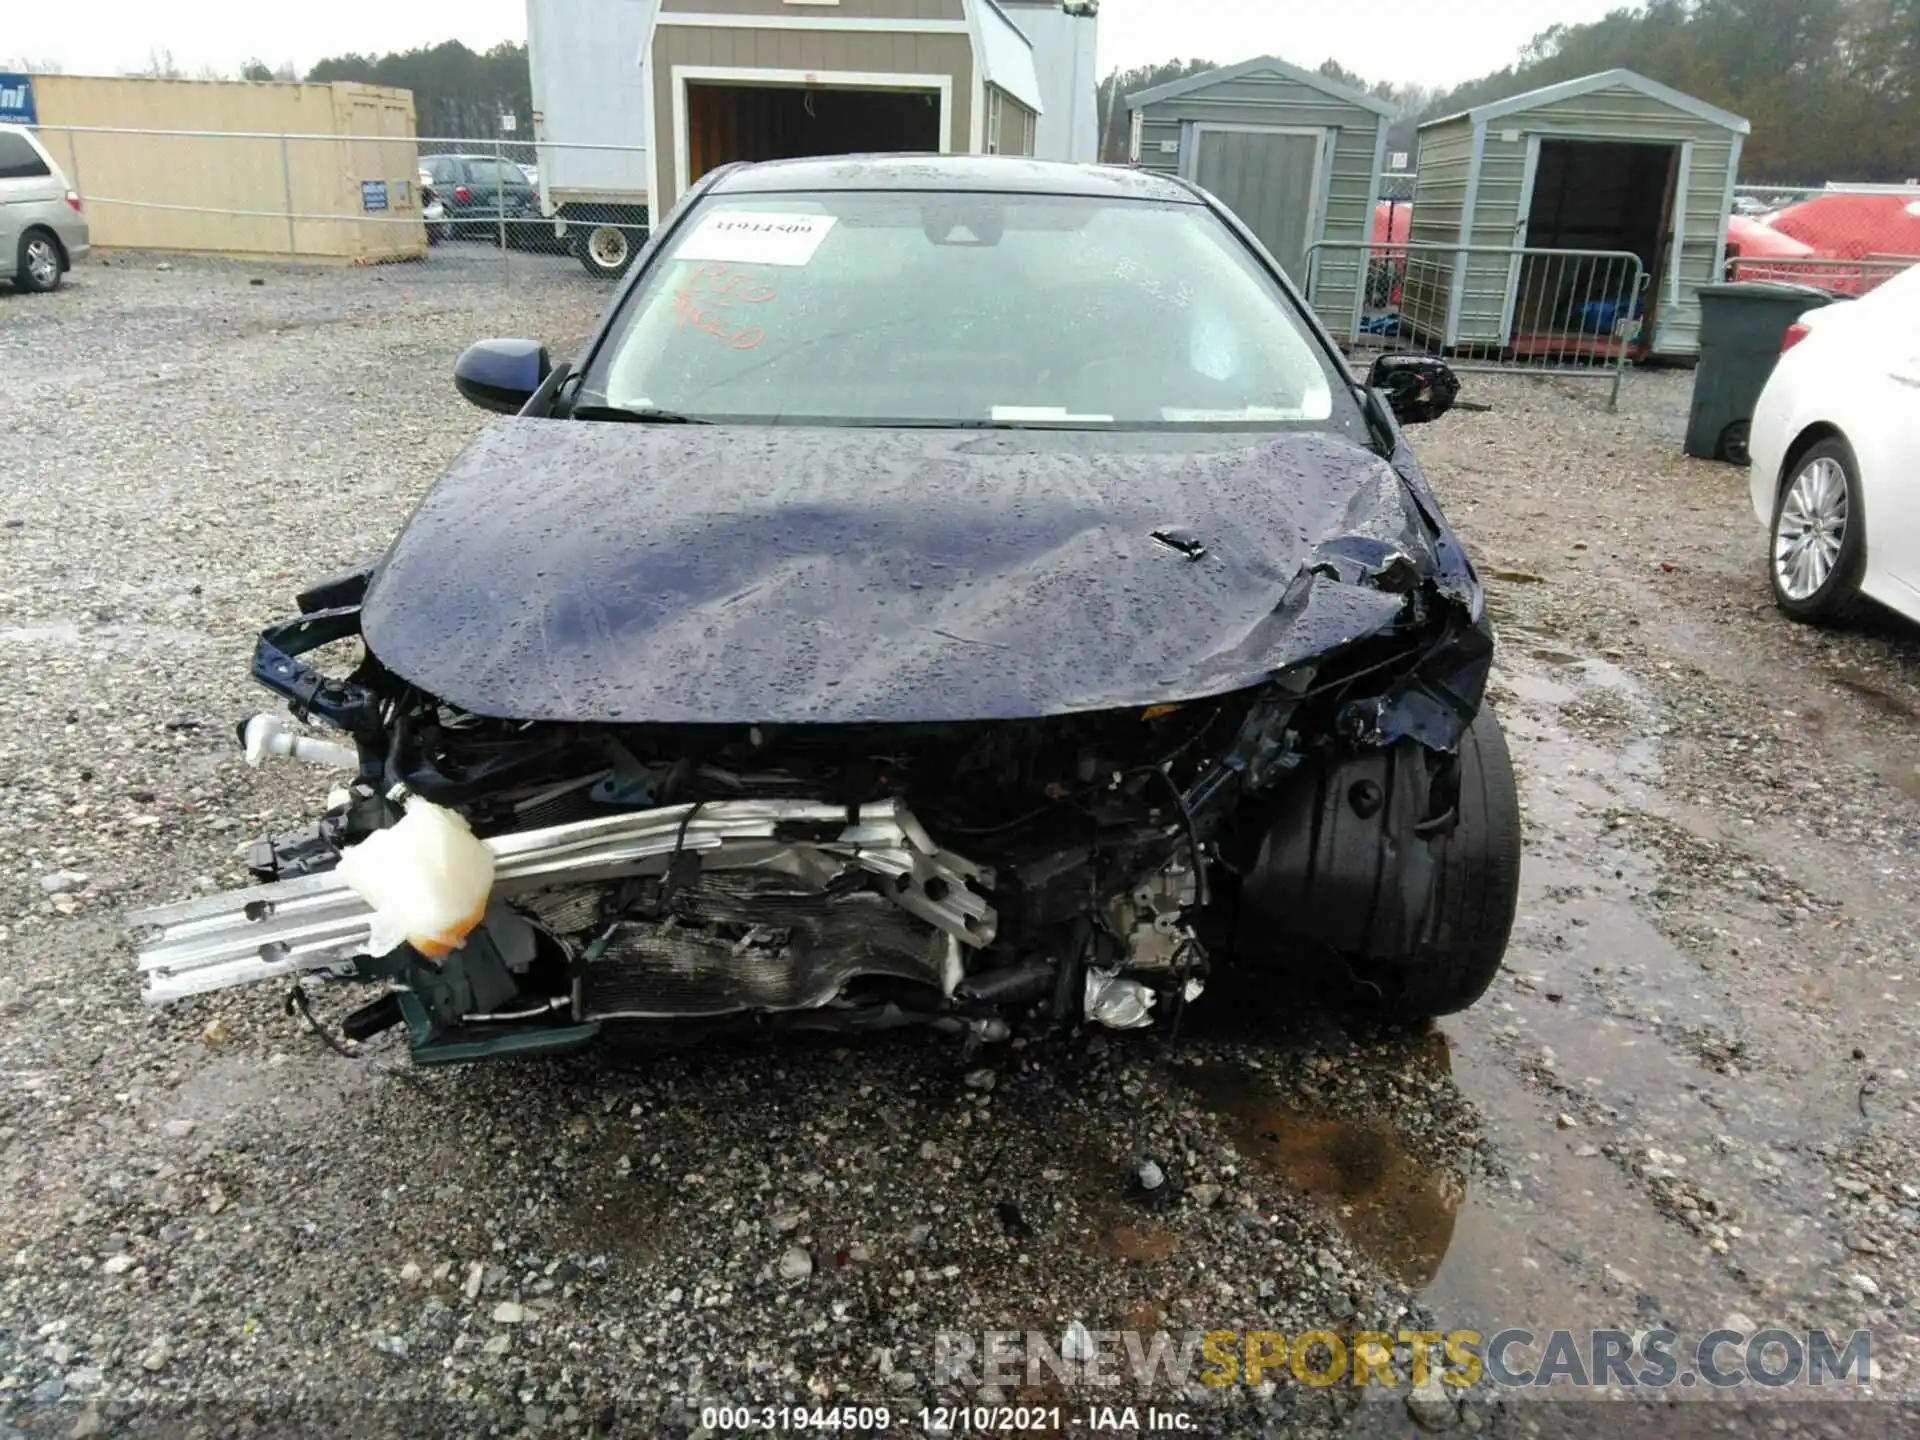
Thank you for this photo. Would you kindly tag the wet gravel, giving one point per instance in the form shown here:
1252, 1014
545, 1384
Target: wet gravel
1687, 1101
1721, 860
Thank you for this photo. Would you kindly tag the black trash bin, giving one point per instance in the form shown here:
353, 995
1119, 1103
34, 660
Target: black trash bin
1742, 325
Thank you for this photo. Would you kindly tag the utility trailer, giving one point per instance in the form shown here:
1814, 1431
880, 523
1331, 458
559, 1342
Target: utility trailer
588, 64
635, 100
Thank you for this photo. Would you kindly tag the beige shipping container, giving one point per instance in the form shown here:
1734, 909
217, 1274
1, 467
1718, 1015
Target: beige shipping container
260, 170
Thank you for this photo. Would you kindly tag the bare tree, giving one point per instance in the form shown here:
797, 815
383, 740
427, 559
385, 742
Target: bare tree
160, 66
258, 71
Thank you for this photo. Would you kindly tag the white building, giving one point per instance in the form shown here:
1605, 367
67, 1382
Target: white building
1063, 56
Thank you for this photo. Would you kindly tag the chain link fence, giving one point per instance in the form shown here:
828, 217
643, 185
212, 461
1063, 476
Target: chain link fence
1393, 212
1397, 187
479, 208
1843, 277
1845, 238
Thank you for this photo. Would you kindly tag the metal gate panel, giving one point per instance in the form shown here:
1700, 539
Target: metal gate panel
1586, 320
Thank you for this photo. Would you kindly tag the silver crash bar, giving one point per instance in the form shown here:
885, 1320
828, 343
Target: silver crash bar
316, 923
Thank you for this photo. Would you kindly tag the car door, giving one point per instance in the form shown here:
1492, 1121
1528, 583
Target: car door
1883, 428
9, 223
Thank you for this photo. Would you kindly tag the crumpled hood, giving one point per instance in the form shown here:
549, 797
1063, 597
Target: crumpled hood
630, 573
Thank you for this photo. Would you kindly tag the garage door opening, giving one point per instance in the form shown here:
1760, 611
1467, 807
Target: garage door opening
1595, 195
790, 122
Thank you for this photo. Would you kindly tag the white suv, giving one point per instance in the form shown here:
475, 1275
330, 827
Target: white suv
43, 230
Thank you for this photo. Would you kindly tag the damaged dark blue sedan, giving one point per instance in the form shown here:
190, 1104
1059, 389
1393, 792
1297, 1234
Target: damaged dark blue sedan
947, 591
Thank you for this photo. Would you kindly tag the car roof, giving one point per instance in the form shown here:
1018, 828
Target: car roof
994, 173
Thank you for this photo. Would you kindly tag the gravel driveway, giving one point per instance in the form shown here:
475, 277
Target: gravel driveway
1687, 1101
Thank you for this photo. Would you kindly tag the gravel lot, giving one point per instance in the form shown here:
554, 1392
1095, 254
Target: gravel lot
1687, 1102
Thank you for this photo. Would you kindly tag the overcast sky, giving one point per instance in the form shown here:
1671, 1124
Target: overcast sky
1403, 40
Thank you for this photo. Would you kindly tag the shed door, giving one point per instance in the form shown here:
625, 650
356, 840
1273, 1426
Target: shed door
1271, 179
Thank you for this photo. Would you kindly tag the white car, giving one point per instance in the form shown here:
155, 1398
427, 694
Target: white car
1836, 456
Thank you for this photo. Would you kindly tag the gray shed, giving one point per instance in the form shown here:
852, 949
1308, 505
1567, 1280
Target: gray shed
1612, 162
1295, 155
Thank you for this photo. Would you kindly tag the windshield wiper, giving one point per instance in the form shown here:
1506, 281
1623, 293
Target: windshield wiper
642, 415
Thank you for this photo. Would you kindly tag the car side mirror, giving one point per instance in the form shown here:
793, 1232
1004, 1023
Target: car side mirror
1418, 388
501, 375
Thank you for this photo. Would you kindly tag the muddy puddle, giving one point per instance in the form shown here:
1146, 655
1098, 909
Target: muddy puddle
1892, 749
1653, 1133
1646, 1118
616, 1215
1397, 1208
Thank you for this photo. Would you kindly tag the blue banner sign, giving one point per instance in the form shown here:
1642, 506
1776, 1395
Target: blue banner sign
16, 100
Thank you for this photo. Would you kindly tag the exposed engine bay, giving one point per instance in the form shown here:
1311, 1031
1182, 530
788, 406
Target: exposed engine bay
1010, 749
965, 876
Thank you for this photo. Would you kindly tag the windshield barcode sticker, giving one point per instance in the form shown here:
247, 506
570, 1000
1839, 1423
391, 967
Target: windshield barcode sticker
748, 237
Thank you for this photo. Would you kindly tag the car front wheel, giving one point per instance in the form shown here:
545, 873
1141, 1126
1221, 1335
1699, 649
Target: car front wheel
1819, 548
38, 265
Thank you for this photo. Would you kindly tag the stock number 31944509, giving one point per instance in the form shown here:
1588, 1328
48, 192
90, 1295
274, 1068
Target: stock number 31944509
874, 1419
844, 1419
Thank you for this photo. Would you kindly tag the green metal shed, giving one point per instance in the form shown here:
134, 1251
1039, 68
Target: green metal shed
1608, 162
1295, 155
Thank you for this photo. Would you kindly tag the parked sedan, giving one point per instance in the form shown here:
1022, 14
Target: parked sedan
43, 227
954, 592
1836, 454
479, 192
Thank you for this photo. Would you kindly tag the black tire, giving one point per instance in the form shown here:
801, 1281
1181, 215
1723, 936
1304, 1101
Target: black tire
1476, 891
608, 251
1356, 906
1836, 595
37, 247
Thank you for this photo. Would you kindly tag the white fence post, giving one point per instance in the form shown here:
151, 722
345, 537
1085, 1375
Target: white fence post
286, 195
